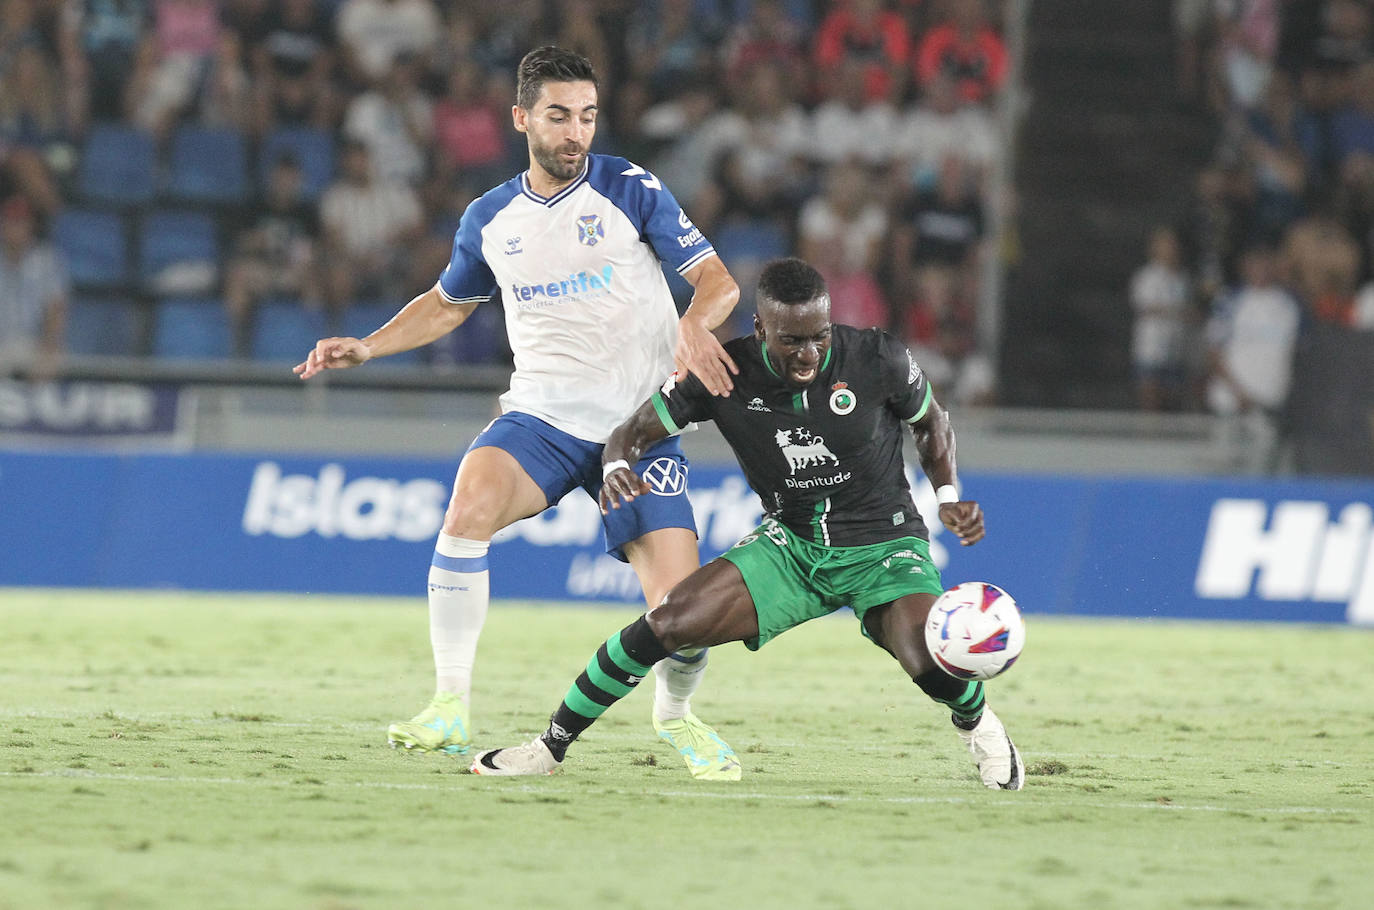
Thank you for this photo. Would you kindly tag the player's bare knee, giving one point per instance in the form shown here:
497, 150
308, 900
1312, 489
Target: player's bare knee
672, 626
473, 515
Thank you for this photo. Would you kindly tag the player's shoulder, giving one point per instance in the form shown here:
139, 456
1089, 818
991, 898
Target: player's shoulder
619, 177
745, 347
482, 210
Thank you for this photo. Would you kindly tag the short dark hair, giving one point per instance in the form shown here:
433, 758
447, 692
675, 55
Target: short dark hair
549, 64
791, 281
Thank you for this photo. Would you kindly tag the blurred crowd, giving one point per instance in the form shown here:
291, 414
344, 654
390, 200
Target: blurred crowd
1280, 236
857, 133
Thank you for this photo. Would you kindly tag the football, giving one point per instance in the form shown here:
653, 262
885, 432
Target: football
975, 631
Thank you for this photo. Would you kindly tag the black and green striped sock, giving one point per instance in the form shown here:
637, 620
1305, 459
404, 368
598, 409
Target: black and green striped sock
963, 697
617, 667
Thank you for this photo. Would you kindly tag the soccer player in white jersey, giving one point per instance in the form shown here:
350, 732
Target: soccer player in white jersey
575, 246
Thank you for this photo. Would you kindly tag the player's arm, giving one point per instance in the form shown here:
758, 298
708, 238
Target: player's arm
628, 441
699, 351
934, 436
427, 318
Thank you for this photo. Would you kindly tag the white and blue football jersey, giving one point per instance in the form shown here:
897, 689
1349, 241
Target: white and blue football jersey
590, 318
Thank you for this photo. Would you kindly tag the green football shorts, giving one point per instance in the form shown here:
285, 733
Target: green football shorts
793, 580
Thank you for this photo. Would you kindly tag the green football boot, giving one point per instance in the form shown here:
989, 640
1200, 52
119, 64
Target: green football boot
442, 727
708, 756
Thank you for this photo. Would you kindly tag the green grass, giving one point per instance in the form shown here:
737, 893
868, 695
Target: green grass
196, 751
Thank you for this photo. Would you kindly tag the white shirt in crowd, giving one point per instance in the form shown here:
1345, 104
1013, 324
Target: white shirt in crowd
1158, 337
1254, 330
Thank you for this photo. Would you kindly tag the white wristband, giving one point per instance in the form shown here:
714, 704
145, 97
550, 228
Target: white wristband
610, 466
946, 494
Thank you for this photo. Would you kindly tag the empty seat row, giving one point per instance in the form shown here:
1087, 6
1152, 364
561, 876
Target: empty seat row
120, 165
176, 251
282, 331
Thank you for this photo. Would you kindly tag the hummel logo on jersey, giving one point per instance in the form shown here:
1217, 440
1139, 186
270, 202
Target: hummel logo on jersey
758, 405
589, 230
913, 373
665, 477
647, 179
513, 246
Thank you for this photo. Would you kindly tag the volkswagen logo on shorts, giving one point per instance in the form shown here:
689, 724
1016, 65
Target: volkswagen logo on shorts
665, 477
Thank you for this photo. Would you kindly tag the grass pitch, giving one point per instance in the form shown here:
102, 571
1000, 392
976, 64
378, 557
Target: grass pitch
198, 751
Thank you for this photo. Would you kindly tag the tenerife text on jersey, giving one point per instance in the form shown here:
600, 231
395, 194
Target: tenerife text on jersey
583, 283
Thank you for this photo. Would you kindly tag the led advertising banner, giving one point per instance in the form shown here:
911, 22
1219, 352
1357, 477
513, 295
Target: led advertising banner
1300, 550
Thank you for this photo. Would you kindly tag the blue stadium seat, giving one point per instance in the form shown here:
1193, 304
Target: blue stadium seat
208, 165
118, 166
362, 319
178, 252
103, 326
744, 247
755, 240
95, 246
284, 330
191, 329
313, 150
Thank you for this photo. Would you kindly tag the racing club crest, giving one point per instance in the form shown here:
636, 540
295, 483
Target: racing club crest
589, 230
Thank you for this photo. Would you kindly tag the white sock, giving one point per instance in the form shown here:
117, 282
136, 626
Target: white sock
676, 677
458, 594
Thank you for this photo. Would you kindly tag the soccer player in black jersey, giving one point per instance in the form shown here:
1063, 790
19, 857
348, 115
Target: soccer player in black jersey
816, 420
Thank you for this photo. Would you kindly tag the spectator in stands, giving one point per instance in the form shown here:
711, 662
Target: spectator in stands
275, 255
1269, 140
33, 292
33, 124
762, 172
877, 39
693, 132
766, 35
470, 129
1249, 40
847, 125
966, 50
940, 127
1352, 126
367, 225
1251, 337
939, 322
373, 33
1321, 262
842, 232
99, 42
395, 121
188, 57
1161, 299
293, 65
669, 43
942, 225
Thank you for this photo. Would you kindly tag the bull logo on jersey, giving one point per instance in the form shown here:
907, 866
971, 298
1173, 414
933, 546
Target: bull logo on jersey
665, 477
806, 451
589, 230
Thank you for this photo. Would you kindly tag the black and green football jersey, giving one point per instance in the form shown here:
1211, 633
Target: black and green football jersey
825, 459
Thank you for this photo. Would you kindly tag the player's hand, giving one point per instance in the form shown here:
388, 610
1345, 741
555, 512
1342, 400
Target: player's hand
965, 519
333, 354
700, 353
622, 483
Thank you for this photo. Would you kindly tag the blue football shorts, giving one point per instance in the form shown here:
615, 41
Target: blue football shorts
559, 463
